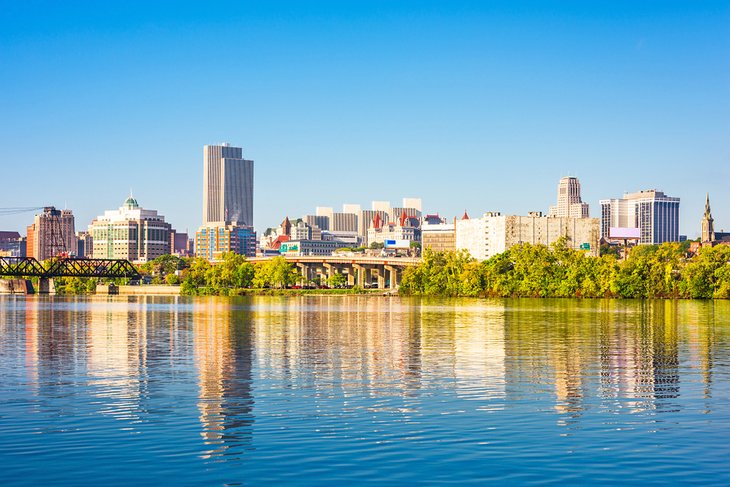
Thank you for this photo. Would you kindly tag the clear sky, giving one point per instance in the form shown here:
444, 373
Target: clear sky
476, 105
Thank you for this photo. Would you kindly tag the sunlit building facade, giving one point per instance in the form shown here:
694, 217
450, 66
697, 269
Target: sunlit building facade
131, 233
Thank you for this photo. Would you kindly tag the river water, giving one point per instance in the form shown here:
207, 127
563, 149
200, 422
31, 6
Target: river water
354, 390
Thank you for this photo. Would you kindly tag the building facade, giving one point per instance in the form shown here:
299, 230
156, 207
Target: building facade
495, 233
569, 203
131, 232
403, 229
227, 187
298, 248
12, 244
85, 244
482, 237
655, 214
52, 234
438, 235
213, 241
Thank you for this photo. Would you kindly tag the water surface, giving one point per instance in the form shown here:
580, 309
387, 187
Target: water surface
314, 390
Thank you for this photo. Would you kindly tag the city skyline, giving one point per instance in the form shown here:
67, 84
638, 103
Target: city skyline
468, 106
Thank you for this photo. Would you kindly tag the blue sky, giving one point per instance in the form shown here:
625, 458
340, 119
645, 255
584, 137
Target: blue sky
476, 105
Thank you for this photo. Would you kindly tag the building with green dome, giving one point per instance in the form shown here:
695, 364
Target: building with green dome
131, 233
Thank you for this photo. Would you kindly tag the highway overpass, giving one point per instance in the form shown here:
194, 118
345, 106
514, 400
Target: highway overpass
363, 271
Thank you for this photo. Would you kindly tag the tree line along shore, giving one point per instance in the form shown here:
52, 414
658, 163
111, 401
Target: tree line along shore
666, 271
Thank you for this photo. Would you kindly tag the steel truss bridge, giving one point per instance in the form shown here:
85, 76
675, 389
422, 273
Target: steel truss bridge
67, 267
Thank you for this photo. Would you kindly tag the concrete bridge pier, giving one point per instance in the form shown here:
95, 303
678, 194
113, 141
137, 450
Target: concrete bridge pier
359, 274
46, 286
329, 269
303, 272
392, 275
350, 275
380, 275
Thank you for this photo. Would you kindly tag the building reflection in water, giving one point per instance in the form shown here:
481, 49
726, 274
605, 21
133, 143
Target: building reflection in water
639, 355
631, 347
103, 349
131, 344
368, 347
337, 346
54, 343
223, 356
464, 340
402, 355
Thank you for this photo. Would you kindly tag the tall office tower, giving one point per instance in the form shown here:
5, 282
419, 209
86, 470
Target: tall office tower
52, 233
708, 229
324, 214
227, 186
569, 201
343, 222
413, 203
655, 214
322, 222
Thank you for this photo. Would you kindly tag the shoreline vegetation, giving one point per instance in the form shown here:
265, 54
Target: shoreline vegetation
664, 271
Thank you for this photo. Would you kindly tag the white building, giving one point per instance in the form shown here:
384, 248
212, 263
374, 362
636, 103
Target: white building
482, 237
655, 214
131, 233
495, 233
569, 202
301, 230
403, 229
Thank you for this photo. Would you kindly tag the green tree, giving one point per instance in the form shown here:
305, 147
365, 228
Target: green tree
337, 280
276, 272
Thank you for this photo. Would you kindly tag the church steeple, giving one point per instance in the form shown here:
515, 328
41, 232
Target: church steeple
708, 230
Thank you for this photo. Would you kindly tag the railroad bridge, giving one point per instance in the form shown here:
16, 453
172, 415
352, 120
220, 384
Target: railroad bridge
385, 272
24, 267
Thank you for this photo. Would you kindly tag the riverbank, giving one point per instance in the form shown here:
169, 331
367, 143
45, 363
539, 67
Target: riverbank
170, 290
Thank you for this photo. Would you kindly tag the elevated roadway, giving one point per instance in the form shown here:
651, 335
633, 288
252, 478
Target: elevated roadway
383, 272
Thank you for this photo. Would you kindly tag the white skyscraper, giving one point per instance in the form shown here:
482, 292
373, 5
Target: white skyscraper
227, 186
570, 203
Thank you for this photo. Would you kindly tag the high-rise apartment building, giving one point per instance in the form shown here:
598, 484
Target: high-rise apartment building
227, 186
131, 232
569, 201
655, 214
51, 234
